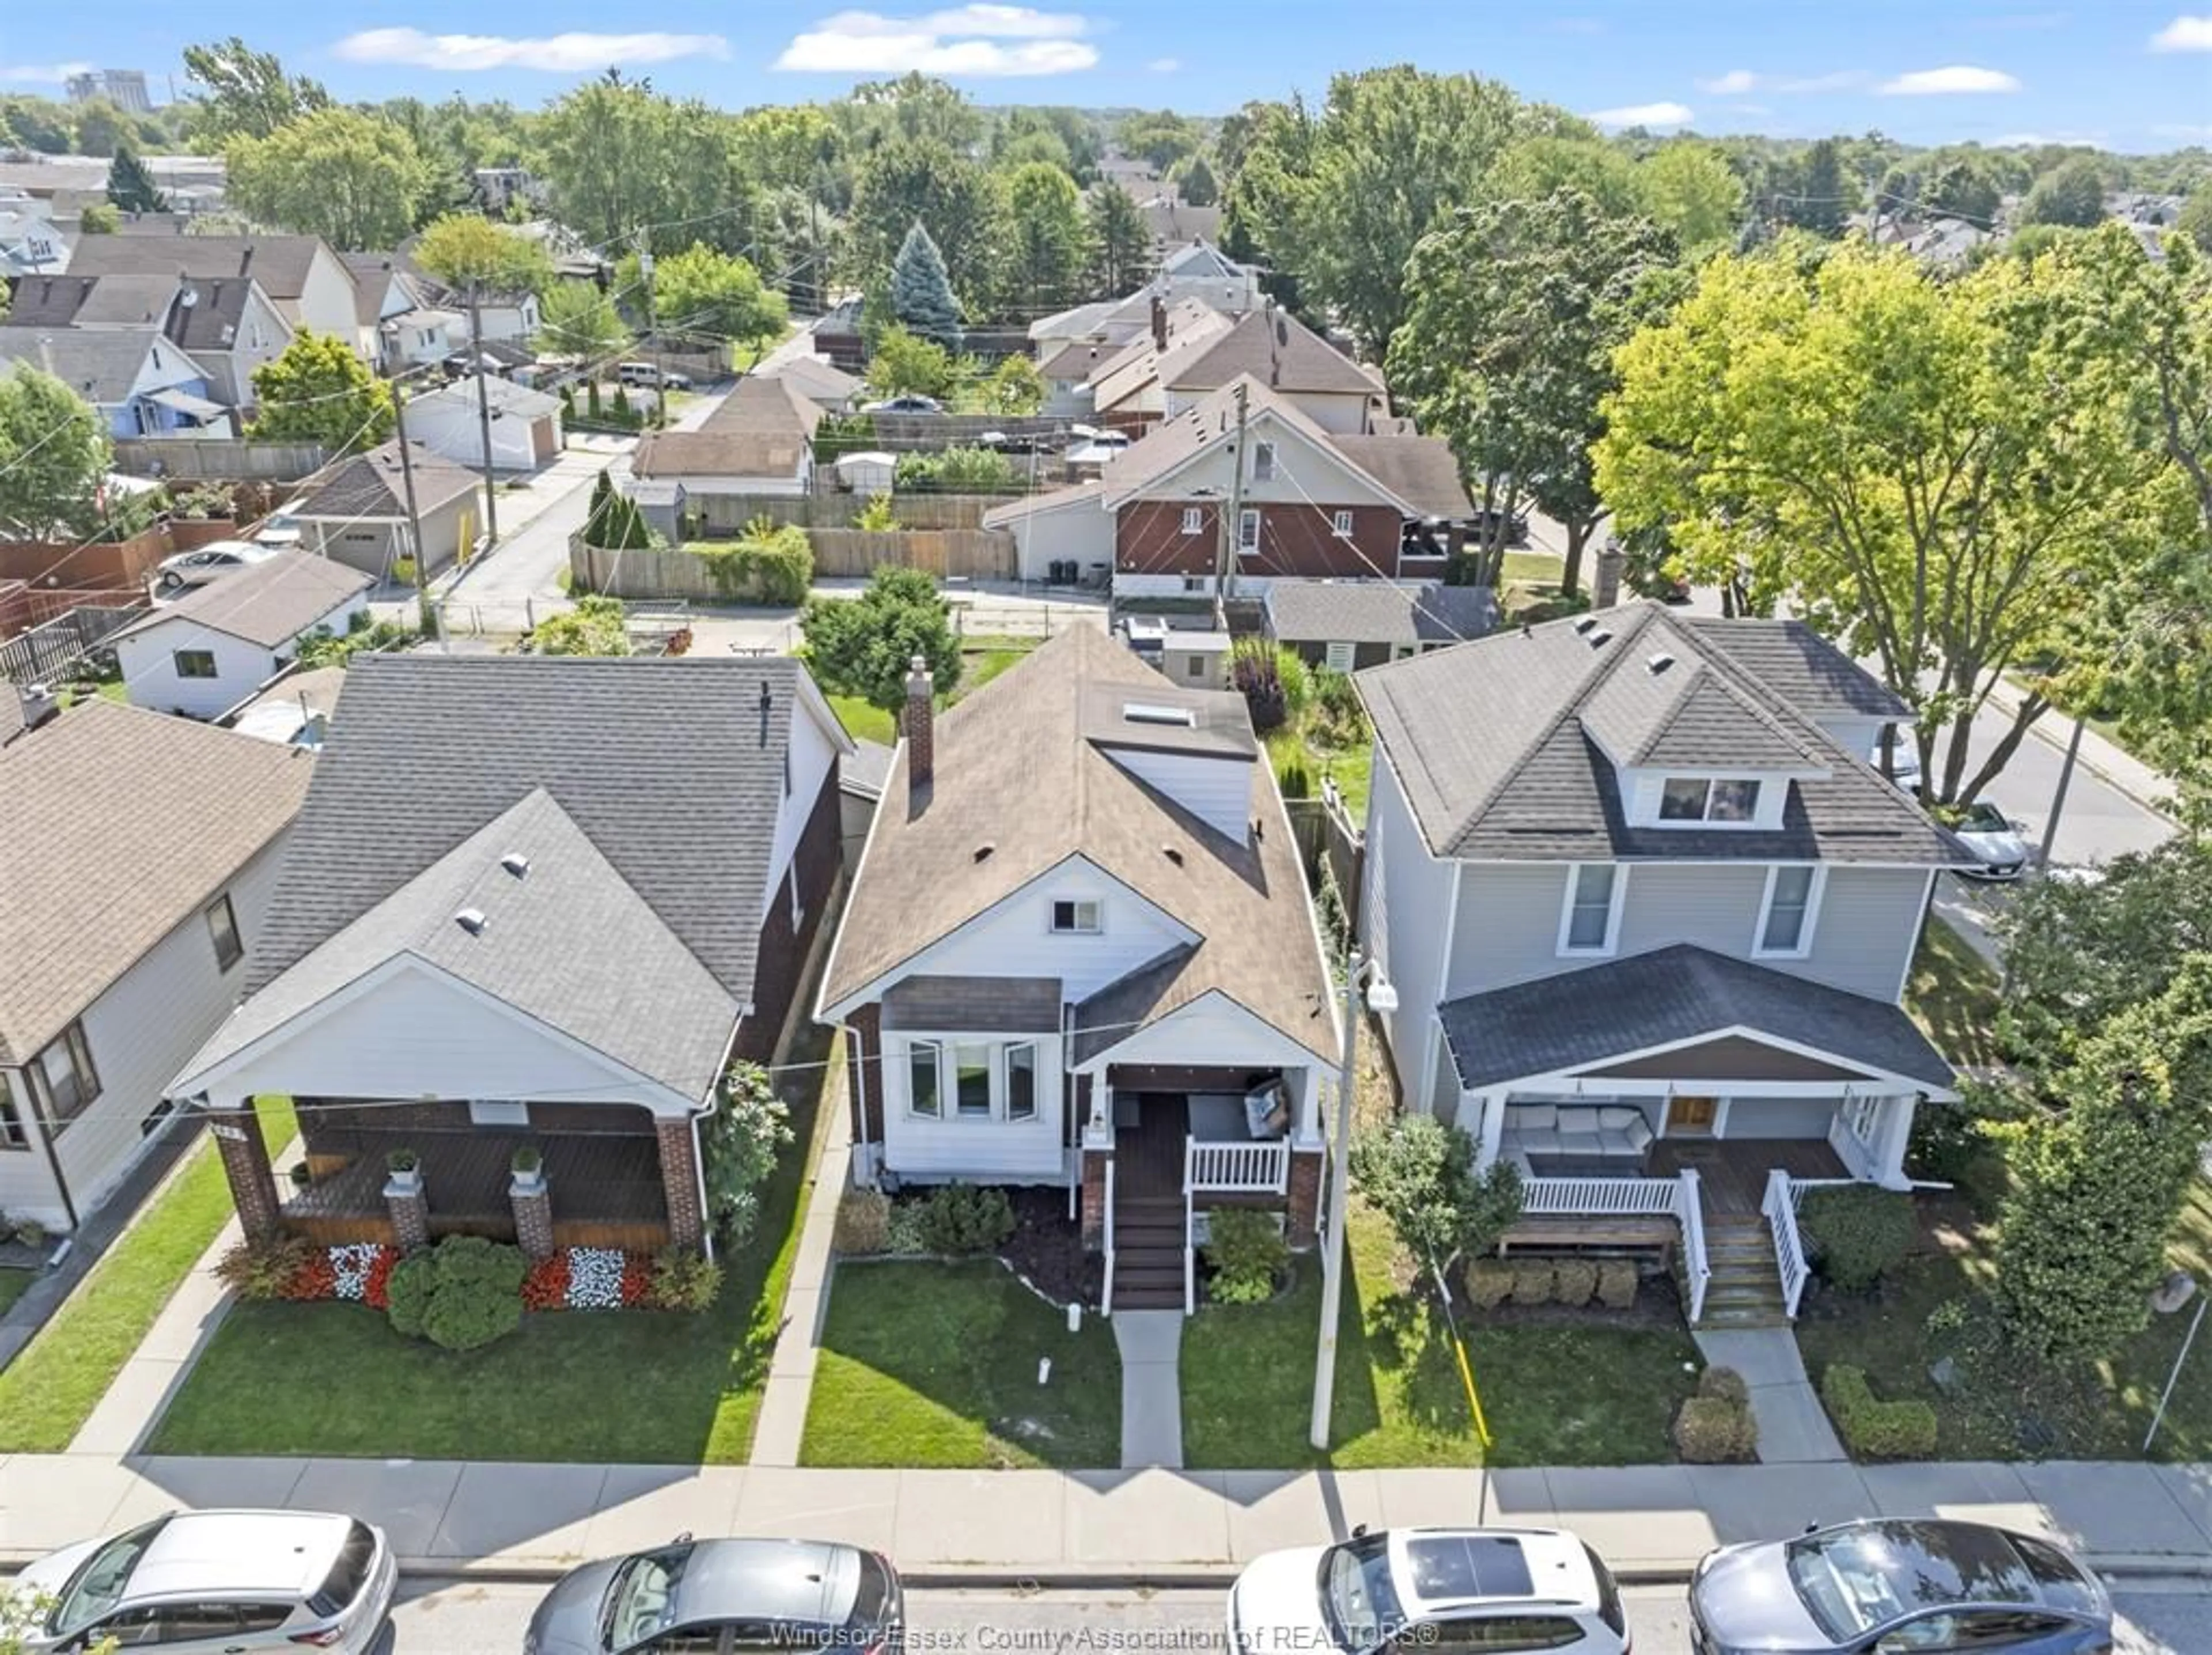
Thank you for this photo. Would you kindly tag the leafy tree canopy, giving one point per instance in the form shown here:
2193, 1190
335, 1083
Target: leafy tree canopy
904, 362
245, 93
865, 646
1049, 250
574, 319
907, 182
464, 248
54, 458
1420, 1174
2074, 195
354, 179
701, 291
1121, 245
595, 626
318, 391
1689, 187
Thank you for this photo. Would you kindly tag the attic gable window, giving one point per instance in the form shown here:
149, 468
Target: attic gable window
1708, 798
1263, 462
1076, 919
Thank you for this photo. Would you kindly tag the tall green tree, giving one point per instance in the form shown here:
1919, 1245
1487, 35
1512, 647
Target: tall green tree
1419, 1174
1965, 189
915, 108
624, 162
1939, 473
699, 291
1047, 247
352, 178
1162, 137
904, 182
467, 249
244, 94
1822, 195
2072, 194
54, 458
318, 391
1121, 245
903, 362
102, 128
574, 319
865, 646
1535, 167
1195, 183
1518, 308
2196, 219
131, 187
921, 292
1689, 187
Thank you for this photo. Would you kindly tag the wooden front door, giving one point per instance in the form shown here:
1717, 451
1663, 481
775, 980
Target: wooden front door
1691, 1117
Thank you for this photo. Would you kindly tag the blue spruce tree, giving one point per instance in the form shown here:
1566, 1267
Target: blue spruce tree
921, 292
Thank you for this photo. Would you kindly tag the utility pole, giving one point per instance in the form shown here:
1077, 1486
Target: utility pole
484, 418
1224, 582
2058, 794
414, 516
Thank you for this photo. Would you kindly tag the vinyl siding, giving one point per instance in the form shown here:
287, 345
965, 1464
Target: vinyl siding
149, 659
995, 1150
1083, 532
812, 756
1402, 917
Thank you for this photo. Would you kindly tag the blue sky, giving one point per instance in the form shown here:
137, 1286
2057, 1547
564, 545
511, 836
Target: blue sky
2125, 74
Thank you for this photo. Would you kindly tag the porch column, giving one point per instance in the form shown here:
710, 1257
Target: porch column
1490, 1131
1308, 1131
1300, 1221
1095, 1163
679, 1181
245, 1152
1891, 1139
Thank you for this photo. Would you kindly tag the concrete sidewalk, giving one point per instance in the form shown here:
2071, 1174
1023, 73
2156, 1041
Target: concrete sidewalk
1651, 1522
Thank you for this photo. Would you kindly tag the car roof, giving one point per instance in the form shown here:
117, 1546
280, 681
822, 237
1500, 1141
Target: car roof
250, 1553
1949, 1561
800, 1580
1472, 1567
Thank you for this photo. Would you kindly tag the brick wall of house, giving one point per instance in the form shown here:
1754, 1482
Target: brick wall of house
679, 1183
1294, 540
864, 1074
783, 948
1304, 1202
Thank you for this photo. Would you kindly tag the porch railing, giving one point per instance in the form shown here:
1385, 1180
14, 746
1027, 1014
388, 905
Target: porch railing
1190, 1256
1616, 1196
1780, 1208
1106, 1292
1799, 1186
1690, 1208
1261, 1168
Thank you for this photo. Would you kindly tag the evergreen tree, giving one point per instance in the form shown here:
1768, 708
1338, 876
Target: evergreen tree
130, 186
1121, 247
921, 292
1824, 194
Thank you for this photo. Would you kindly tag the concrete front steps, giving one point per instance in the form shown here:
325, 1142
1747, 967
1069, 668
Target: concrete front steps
1148, 1239
1745, 1290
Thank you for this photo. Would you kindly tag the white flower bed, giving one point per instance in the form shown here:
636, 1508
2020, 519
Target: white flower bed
595, 1278
351, 1264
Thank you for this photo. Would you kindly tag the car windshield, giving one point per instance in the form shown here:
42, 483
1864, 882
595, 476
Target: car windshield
641, 1600
1356, 1593
1983, 817
1852, 1580
97, 1587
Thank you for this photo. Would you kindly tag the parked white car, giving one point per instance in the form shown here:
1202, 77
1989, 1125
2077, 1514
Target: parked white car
200, 1582
1405, 1588
2000, 844
210, 563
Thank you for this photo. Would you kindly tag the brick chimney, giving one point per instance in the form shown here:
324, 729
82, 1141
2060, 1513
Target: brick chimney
1605, 585
246, 260
1159, 323
920, 726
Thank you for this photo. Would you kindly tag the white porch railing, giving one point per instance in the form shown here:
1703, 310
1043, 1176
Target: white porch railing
1619, 1197
1799, 1186
1261, 1168
1780, 1208
1106, 1292
1690, 1208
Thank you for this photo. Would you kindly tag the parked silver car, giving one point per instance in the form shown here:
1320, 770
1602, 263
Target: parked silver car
208, 1581
210, 563
708, 1597
2000, 844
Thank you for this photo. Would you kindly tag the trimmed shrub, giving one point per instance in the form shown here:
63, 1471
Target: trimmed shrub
1726, 1384
684, 1280
864, 1224
903, 1231
407, 1294
1487, 1282
769, 565
1617, 1283
1532, 1280
965, 1218
1295, 778
1871, 1428
460, 1294
1574, 1281
1254, 672
472, 1315
1247, 1252
1713, 1431
264, 1270
1855, 1233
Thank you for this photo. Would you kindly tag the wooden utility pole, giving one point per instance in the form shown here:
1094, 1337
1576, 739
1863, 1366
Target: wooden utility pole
483, 419
414, 516
1225, 583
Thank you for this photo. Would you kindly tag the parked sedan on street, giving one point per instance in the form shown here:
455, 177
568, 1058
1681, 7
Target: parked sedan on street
1404, 1589
207, 1581
1895, 1586
710, 1596
1999, 844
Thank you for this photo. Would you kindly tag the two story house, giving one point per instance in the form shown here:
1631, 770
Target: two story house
227, 324
1079, 954
308, 282
141, 384
1649, 913
1194, 349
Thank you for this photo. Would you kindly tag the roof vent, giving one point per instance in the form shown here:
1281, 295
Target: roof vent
1584, 625
1657, 664
470, 920
983, 851
1599, 640
1172, 854
1139, 712
515, 863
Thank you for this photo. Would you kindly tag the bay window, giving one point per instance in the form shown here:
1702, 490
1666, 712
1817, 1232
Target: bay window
981, 1080
971, 1079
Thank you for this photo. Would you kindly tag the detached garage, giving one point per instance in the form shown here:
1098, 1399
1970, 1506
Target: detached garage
526, 424
356, 511
212, 648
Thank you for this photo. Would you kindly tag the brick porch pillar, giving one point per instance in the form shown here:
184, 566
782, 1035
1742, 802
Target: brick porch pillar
245, 1166
1304, 1198
1094, 1162
679, 1183
532, 1202
410, 1207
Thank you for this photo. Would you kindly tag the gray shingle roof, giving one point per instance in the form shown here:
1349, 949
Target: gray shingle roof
673, 769
1489, 740
1454, 614
504, 396
1796, 662
269, 603
569, 943
118, 825
1668, 995
1377, 611
1672, 707
279, 262
99, 365
373, 486
1423, 471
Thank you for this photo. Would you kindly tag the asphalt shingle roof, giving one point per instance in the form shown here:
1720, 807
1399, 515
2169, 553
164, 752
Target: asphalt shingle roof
762, 429
1274, 348
1796, 662
1377, 611
1423, 471
99, 365
269, 603
373, 485
120, 824
1490, 741
1669, 995
279, 262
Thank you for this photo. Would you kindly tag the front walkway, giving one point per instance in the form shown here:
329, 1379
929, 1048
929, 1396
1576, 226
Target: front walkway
1793, 1426
1150, 1343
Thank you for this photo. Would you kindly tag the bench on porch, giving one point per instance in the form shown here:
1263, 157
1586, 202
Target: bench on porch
1565, 1139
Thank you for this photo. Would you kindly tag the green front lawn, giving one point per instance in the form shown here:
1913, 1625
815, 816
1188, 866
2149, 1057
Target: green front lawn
1953, 995
12, 1285
636, 1386
935, 1365
1565, 1395
48, 1392
864, 720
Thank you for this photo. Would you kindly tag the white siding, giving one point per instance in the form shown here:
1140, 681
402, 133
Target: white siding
1304, 472
149, 659
1016, 938
1342, 413
1406, 907
994, 1150
1218, 791
812, 755
447, 426
1084, 532
327, 299
1863, 736
140, 1031
1212, 1031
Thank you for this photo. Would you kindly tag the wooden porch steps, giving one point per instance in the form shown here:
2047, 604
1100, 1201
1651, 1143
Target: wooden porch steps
1745, 1290
1148, 1242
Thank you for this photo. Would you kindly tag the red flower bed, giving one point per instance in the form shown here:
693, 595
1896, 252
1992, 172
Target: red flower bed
637, 1279
376, 1293
318, 1278
546, 1287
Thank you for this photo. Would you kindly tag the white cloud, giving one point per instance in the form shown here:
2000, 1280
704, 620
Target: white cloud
1938, 82
1645, 114
1733, 84
2185, 132
1164, 66
1737, 81
2184, 34
970, 41
42, 74
558, 54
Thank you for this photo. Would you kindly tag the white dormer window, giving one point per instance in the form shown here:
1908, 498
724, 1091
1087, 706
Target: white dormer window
1788, 912
1076, 919
1589, 922
1263, 462
1708, 798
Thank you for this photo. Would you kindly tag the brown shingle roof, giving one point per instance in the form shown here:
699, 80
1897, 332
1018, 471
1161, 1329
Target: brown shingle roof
1274, 348
762, 429
269, 603
1423, 471
1015, 771
120, 824
372, 485
279, 262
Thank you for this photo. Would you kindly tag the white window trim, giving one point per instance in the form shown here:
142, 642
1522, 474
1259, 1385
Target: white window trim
1805, 933
1264, 462
1097, 929
945, 1046
1567, 951
1194, 519
499, 1111
1338, 655
1249, 514
1340, 525
907, 1048
1757, 818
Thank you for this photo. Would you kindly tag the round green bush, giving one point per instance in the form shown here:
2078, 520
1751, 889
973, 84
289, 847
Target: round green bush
1487, 1282
966, 1218
1574, 1281
468, 1264
1714, 1430
1247, 1252
1857, 1234
1616, 1283
1532, 1280
469, 1317
407, 1293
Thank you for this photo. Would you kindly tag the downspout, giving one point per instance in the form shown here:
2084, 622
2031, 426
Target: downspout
859, 1062
46, 1143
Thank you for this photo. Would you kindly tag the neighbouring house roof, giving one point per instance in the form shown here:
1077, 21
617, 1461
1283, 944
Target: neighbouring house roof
1527, 780
373, 274
281, 712
866, 769
1377, 611
762, 429
570, 942
1074, 362
1074, 321
505, 397
269, 603
209, 322
1274, 348
1185, 233
1023, 777
371, 485
279, 262
1667, 997
1091, 492
101, 365
1212, 420
120, 825
820, 382
1135, 365
1810, 673
1423, 471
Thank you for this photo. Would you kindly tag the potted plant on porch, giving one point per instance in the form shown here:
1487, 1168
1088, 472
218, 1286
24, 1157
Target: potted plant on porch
528, 1166
406, 1169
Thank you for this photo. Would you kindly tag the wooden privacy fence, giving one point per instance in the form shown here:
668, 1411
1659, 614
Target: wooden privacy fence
51, 648
681, 572
217, 459
825, 509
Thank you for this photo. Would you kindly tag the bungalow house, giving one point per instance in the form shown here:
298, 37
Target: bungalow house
308, 284
355, 511
759, 441
1309, 502
1346, 625
821, 382
1650, 913
142, 384
1193, 349
142, 855
526, 424
30, 242
213, 647
227, 324
1079, 954
535, 902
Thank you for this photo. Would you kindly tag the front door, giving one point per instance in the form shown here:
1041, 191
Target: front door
1691, 1117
